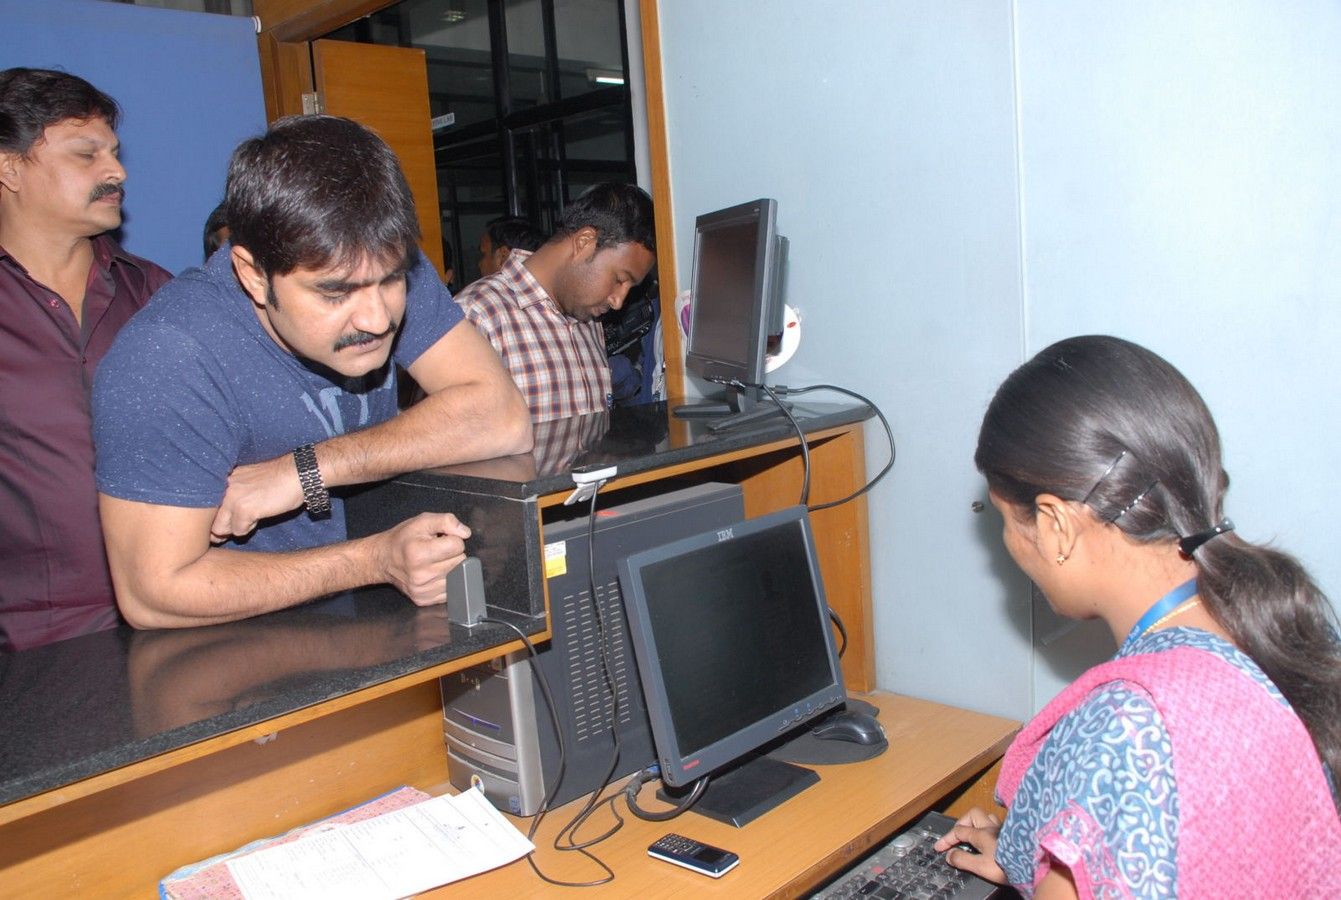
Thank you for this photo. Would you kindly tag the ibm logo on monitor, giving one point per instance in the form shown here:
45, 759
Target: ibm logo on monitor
724, 535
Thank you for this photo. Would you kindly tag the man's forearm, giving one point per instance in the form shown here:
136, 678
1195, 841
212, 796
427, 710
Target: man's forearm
226, 585
460, 425
478, 415
167, 575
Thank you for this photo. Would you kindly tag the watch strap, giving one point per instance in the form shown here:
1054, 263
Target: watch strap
316, 498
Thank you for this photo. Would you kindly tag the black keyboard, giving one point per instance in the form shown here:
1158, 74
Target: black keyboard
905, 866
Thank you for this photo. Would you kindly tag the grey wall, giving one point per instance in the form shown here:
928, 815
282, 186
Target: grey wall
965, 183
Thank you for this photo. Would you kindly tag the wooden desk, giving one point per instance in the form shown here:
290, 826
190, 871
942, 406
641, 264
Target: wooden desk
933, 749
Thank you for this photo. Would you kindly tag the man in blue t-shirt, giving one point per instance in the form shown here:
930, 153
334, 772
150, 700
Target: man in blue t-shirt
232, 405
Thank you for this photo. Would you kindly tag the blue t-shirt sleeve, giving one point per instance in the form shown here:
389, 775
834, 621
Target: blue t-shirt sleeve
165, 427
430, 312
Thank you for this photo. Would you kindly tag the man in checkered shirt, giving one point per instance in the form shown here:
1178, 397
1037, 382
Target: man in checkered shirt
540, 310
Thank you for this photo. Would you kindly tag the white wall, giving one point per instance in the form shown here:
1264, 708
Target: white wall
886, 134
964, 183
1181, 168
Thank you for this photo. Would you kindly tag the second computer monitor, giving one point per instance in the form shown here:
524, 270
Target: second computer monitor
736, 283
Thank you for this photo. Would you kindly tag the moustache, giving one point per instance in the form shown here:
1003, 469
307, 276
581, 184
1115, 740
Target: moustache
105, 190
359, 338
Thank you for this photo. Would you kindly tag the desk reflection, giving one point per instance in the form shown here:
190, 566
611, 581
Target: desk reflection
178, 677
561, 444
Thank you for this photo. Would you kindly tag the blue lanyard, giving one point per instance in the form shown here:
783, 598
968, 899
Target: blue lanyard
1162, 607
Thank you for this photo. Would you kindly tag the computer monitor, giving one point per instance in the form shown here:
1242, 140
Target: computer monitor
736, 286
730, 631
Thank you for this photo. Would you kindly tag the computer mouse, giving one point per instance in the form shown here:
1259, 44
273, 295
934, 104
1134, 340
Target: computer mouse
851, 726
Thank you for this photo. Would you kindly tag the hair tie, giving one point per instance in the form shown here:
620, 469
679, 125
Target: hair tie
1187, 545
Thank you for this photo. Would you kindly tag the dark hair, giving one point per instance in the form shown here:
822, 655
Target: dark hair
1059, 424
217, 220
317, 191
32, 100
620, 213
514, 232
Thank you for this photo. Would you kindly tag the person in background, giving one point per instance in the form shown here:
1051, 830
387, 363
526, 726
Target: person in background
502, 236
232, 409
1202, 761
540, 310
216, 230
67, 287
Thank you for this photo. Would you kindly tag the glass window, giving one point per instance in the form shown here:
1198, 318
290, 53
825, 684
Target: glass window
555, 140
557, 161
471, 192
587, 54
454, 35
526, 54
590, 43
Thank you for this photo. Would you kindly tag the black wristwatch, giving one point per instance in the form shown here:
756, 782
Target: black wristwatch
316, 498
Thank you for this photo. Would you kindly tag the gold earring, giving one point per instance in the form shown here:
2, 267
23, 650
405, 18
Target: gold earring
1061, 558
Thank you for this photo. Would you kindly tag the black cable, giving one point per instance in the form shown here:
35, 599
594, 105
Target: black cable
636, 784
549, 798
800, 434
602, 632
889, 433
842, 630
565, 840
587, 813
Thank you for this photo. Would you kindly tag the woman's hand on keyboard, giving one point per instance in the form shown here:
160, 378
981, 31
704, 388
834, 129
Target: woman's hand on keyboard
977, 829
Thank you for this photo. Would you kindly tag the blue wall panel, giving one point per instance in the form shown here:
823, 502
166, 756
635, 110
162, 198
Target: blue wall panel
189, 85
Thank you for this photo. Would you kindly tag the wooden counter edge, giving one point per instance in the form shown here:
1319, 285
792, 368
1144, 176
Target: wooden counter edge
556, 498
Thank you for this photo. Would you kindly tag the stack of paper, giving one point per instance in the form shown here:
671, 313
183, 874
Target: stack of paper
387, 856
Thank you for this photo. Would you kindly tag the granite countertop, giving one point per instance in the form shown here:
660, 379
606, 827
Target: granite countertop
633, 439
84, 706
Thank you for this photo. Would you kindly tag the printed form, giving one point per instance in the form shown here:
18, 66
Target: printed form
386, 857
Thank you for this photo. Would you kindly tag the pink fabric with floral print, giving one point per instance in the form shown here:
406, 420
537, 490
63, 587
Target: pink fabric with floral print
1257, 814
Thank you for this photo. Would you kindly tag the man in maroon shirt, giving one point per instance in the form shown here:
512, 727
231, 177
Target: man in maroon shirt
66, 288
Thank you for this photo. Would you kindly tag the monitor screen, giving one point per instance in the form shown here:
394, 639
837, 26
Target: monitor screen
731, 635
734, 288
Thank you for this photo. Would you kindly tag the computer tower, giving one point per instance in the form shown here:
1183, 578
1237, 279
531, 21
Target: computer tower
497, 725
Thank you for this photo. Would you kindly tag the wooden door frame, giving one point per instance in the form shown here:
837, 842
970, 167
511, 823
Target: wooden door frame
286, 73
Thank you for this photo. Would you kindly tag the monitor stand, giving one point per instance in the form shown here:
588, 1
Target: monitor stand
725, 414
743, 794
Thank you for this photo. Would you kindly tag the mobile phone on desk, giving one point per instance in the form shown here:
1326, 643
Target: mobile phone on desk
703, 858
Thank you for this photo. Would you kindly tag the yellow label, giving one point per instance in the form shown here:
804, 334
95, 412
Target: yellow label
556, 559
